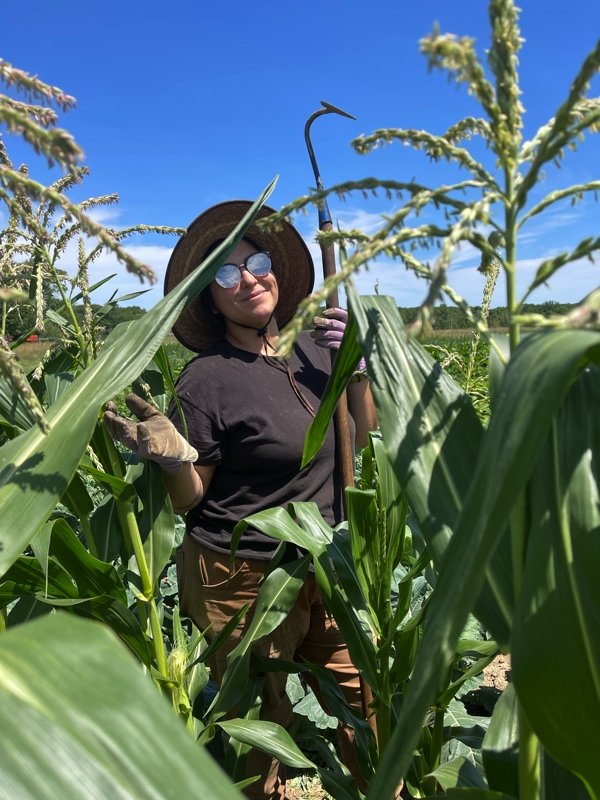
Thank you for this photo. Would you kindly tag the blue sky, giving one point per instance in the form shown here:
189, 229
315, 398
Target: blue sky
187, 104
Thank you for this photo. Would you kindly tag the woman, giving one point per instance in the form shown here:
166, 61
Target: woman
245, 414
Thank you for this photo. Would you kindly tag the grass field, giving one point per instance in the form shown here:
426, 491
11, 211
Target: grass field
466, 363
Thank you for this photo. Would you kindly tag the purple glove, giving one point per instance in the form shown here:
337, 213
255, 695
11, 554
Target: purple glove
154, 438
329, 331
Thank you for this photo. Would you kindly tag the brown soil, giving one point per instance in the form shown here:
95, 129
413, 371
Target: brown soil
498, 673
305, 787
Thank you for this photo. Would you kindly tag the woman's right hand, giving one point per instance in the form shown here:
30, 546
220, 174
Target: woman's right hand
153, 437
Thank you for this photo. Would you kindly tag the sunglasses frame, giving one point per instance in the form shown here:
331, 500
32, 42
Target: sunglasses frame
244, 265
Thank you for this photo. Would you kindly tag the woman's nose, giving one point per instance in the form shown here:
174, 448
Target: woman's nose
246, 277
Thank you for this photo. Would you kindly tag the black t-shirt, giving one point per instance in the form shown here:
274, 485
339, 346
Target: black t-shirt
244, 417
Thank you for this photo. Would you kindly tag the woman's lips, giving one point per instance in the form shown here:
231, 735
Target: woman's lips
254, 295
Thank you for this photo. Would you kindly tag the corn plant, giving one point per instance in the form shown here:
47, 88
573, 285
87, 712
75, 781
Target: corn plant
81, 531
510, 513
471, 372
99, 592
370, 575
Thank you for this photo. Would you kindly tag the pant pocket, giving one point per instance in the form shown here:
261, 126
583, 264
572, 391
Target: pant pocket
217, 578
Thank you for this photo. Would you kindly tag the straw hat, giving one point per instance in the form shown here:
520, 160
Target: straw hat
197, 328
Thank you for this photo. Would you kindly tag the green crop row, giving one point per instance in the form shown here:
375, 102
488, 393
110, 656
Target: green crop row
473, 528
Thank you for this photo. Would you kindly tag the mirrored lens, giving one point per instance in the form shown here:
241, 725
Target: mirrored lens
228, 276
259, 264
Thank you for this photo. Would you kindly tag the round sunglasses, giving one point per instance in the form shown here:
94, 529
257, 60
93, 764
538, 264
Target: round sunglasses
257, 264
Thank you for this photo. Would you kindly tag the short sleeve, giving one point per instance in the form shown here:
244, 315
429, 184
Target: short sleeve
196, 415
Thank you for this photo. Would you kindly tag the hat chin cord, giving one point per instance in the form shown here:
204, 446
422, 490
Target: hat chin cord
262, 331
278, 363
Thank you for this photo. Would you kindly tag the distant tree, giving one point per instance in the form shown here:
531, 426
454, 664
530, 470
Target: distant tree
111, 315
446, 317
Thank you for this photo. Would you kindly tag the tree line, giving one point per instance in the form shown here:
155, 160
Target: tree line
444, 317
454, 318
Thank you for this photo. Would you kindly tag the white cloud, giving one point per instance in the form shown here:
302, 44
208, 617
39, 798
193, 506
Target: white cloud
540, 228
124, 282
105, 215
384, 276
569, 284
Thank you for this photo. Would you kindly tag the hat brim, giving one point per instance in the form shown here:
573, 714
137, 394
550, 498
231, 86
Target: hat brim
196, 328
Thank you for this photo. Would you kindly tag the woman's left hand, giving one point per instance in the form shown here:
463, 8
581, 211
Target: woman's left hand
329, 328
329, 331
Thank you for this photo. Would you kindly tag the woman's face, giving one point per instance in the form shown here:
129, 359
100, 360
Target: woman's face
253, 300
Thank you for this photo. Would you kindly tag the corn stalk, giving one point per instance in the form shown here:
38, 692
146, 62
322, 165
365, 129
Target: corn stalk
502, 506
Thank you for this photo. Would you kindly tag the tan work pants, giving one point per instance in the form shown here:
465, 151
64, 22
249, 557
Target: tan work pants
210, 595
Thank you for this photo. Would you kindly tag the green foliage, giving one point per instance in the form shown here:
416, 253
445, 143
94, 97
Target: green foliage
453, 318
110, 315
79, 718
466, 361
177, 355
503, 517
98, 535
507, 511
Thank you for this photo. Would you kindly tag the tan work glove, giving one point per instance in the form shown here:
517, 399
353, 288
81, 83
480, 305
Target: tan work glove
154, 437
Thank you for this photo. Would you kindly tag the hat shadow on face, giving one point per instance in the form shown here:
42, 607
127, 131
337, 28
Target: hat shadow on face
198, 327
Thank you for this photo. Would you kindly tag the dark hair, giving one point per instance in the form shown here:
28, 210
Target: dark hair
212, 247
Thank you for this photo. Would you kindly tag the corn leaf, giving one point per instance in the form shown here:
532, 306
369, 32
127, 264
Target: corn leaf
561, 591
559, 783
500, 749
364, 540
79, 719
345, 364
276, 598
432, 437
156, 520
394, 506
459, 771
13, 407
77, 499
118, 617
106, 529
337, 705
470, 793
270, 738
90, 575
274, 740
276, 522
533, 388
35, 469
28, 577
118, 488
312, 533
